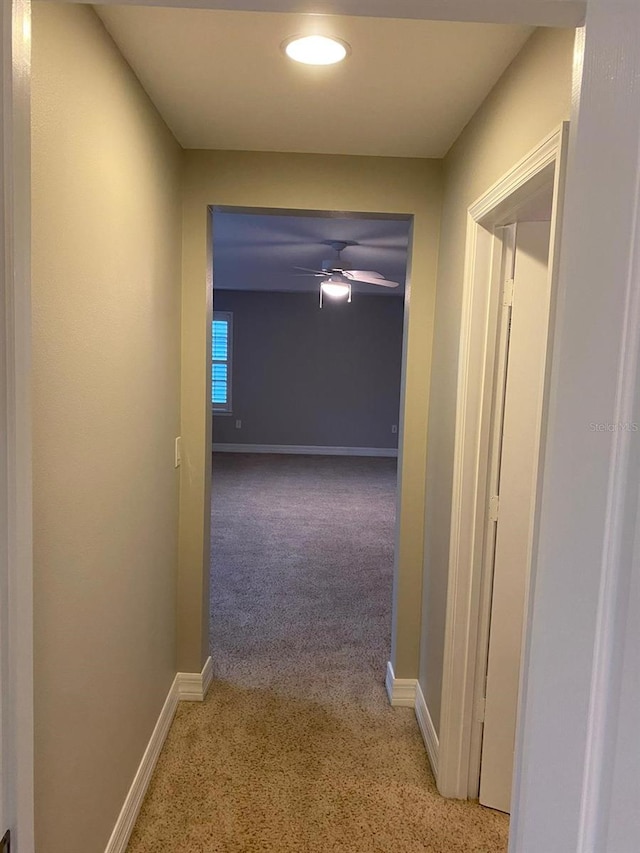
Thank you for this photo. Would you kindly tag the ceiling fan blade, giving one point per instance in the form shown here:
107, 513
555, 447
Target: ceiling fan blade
381, 282
306, 269
369, 277
359, 274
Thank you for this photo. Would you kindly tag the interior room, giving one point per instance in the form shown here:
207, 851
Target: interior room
160, 137
312, 369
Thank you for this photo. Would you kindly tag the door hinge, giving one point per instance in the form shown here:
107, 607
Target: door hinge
507, 295
5, 844
494, 507
481, 708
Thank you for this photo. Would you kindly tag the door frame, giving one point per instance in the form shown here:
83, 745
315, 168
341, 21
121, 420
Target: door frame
468, 605
408, 537
399, 598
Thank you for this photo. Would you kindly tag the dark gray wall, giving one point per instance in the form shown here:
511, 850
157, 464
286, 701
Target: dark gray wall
305, 376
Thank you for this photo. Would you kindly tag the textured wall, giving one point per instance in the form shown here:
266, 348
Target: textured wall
529, 102
320, 183
307, 376
106, 350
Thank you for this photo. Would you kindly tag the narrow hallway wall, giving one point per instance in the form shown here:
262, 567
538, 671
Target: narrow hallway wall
106, 369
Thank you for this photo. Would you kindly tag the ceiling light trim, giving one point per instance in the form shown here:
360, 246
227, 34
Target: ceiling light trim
289, 45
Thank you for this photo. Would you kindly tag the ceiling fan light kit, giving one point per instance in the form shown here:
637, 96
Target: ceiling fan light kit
335, 287
337, 281
316, 50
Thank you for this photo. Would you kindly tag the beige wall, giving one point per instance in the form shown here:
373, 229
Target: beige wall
529, 101
106, 325
314, 182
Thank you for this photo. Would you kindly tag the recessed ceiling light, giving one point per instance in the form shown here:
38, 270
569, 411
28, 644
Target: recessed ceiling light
316, 50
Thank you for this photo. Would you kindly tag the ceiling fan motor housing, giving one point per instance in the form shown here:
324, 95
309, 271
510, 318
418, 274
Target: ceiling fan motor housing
338, 246
328, 265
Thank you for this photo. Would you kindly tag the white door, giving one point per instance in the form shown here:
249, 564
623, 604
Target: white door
525, 373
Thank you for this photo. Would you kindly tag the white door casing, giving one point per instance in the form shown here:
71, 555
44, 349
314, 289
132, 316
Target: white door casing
520, 426
465, 632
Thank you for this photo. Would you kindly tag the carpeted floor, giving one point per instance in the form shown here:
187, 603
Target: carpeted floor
296, 749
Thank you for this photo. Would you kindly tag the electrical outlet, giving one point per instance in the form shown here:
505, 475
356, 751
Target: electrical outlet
238, 424
394, 428
177, 460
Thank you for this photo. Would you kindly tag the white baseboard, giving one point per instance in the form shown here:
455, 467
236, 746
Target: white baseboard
186, 686
193, 686
129, 813
427, 730
401, 691
306, 450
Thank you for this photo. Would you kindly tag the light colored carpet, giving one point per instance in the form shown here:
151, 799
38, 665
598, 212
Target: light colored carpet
296, 749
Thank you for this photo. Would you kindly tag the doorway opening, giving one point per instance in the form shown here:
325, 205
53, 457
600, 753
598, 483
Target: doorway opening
512, 260
305, 395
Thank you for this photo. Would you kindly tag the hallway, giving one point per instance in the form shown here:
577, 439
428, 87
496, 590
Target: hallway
296, 747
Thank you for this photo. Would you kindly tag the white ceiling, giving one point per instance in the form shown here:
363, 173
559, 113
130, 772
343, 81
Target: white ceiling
220, 79
259, 252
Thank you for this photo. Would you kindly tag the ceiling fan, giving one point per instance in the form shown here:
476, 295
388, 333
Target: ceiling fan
338, 280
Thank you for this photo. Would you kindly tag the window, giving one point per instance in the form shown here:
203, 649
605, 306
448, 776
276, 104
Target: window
221, 350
